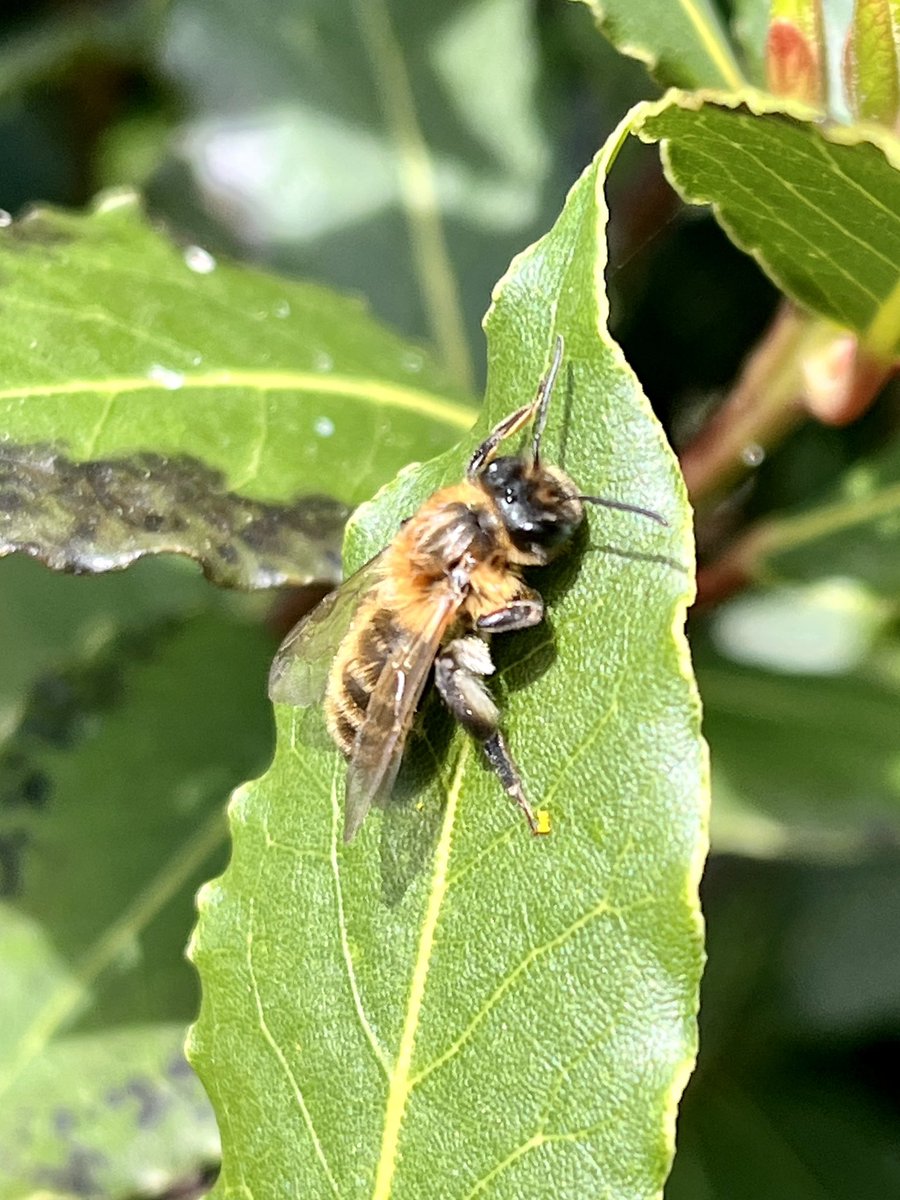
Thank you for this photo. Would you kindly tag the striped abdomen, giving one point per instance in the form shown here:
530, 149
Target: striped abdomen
356, 670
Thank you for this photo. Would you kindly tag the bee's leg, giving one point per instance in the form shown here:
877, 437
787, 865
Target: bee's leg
458, 672
488, 447
528, 610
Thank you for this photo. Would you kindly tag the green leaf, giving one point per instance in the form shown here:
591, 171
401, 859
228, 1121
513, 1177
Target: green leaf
803, 765
448, 1006
771, 1110
683, 43
749, 26
46, 620
852, 531
805, 754
406, 145
817, 204
202, 398
111, 786
871, 62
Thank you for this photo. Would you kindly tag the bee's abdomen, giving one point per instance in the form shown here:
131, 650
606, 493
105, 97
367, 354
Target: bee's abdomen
356, 670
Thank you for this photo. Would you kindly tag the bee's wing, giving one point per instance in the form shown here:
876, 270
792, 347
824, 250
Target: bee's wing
299, 672
378, 750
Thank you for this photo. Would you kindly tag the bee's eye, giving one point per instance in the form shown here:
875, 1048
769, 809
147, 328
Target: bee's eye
510, 495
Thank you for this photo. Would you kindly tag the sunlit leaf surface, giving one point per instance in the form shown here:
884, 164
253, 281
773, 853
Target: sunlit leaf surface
154, 399
449, 1006
817, 204
682, 42
402, 149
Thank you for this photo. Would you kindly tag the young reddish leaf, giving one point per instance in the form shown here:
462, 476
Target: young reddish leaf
795, 52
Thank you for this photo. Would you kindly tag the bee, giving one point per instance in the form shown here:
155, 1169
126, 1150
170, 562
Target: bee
426, 606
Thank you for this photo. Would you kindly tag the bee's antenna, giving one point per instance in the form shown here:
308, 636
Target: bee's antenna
542, 400
623, 507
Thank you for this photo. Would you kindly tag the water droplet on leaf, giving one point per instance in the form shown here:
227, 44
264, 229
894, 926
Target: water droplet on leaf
199, 260
169, 379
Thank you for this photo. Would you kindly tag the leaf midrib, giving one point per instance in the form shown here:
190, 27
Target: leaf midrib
716, 47
360, 388
792, 533
418, 188
400, 1080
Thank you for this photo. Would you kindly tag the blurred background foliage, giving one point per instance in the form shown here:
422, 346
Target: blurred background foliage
258, 131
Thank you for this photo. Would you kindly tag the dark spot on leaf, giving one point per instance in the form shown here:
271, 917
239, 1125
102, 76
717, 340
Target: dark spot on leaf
12, 847
61, 709
35, 789
257, 534
36, 228
78, 1175
102, 515
178, 1067
64, 1121
151, 1101
59, 704
84, 531
10, 502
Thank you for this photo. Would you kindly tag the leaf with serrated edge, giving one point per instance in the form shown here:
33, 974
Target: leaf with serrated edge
818, 205
681, 42
449, 1006
209, 396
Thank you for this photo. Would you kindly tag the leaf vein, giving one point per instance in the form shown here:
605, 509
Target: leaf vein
255, 458
715, 46
822, 150
387, 395
400, 1082
534, 954
282, 1059
368, 1030
532, 1143
437, 280
99, 316
806, 202
105, 412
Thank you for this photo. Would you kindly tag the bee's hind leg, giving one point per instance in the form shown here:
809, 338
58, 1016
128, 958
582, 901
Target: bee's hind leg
458, 676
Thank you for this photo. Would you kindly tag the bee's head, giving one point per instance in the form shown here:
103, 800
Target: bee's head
539, 506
